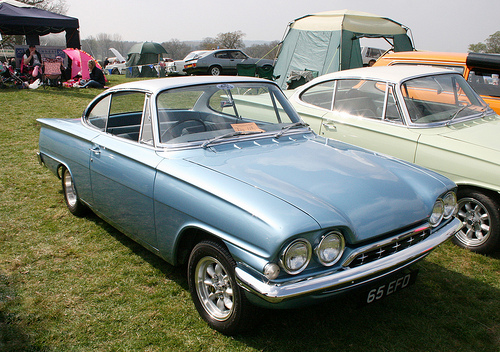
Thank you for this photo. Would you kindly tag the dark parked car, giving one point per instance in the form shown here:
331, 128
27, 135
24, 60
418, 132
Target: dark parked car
218, 62
201, 171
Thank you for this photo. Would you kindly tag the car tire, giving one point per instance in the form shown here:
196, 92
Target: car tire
215, 293
480, 215
75, 206
115, 71
215, 70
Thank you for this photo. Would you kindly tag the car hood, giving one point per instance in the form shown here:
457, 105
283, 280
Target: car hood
334, 183
483, 133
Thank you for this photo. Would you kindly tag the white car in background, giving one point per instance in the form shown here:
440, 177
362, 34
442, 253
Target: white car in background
177, 67
369, 53
116, 64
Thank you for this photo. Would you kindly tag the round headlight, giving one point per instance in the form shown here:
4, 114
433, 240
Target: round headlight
330, 248
450, 204
437, 213
296, 256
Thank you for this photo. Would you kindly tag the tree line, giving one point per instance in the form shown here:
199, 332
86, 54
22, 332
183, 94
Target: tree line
98, 46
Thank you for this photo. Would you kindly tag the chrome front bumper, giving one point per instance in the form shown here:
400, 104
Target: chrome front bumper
346, 278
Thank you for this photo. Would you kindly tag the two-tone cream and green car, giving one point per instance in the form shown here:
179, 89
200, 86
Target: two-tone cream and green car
428, 116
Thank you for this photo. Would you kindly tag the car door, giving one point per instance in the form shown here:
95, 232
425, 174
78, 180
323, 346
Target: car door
363, 113
123, 166
236, 57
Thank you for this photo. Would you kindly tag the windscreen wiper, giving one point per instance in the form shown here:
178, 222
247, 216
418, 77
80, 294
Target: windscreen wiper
483, 109
227, 135
285, 129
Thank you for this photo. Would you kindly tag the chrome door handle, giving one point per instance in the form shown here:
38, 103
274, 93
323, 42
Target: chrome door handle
96, 150
329, 126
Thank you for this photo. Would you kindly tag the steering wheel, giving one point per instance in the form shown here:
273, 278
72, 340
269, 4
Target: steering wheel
175, 132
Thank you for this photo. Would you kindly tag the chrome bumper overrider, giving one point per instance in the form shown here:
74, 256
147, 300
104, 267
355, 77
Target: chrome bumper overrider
346, 278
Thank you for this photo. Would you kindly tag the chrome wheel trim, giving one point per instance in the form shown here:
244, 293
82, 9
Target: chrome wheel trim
69, 189
476, 221
215, 71
214, 288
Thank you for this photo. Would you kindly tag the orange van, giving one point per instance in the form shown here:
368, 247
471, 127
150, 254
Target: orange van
482, 71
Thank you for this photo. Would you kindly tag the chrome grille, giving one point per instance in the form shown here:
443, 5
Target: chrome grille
385, 248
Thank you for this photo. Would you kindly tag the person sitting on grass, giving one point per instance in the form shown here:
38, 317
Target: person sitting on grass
97, 79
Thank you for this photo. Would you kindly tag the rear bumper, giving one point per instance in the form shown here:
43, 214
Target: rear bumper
347, 278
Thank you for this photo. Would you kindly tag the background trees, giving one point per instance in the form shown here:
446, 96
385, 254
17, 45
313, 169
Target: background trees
98, 45
492, 45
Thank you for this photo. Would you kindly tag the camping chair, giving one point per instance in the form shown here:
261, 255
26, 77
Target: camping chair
266, 72
246, 69
51, 75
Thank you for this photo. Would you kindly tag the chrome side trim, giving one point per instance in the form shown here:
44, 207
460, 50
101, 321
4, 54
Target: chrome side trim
347, 277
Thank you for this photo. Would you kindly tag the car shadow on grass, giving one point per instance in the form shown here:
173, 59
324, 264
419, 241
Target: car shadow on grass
444, 310
13, 336
175, 273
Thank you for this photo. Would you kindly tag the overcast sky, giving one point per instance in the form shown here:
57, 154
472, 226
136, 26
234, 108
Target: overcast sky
437, 25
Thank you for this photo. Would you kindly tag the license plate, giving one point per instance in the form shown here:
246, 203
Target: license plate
390, 286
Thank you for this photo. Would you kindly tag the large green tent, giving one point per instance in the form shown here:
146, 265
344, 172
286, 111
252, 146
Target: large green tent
142, 58
329, 41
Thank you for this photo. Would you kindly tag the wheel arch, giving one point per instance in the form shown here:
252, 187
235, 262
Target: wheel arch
489, 192
189, 238
215, 65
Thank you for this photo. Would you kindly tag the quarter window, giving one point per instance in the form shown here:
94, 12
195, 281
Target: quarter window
147, 125
125, 115
98, 116
120, 114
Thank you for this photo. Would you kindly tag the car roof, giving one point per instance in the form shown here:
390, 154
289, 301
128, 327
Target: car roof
425, 55
159, 84
393, 74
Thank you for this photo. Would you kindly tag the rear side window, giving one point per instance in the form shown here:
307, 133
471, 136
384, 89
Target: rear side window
320, 95
121, 114
485, 82
98, 116
360, 97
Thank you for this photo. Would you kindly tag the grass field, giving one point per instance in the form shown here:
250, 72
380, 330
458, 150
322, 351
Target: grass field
77, 284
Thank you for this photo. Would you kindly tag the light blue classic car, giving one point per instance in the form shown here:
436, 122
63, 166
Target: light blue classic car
221, 174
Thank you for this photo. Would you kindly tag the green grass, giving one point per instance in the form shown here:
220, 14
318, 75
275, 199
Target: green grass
77, 284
